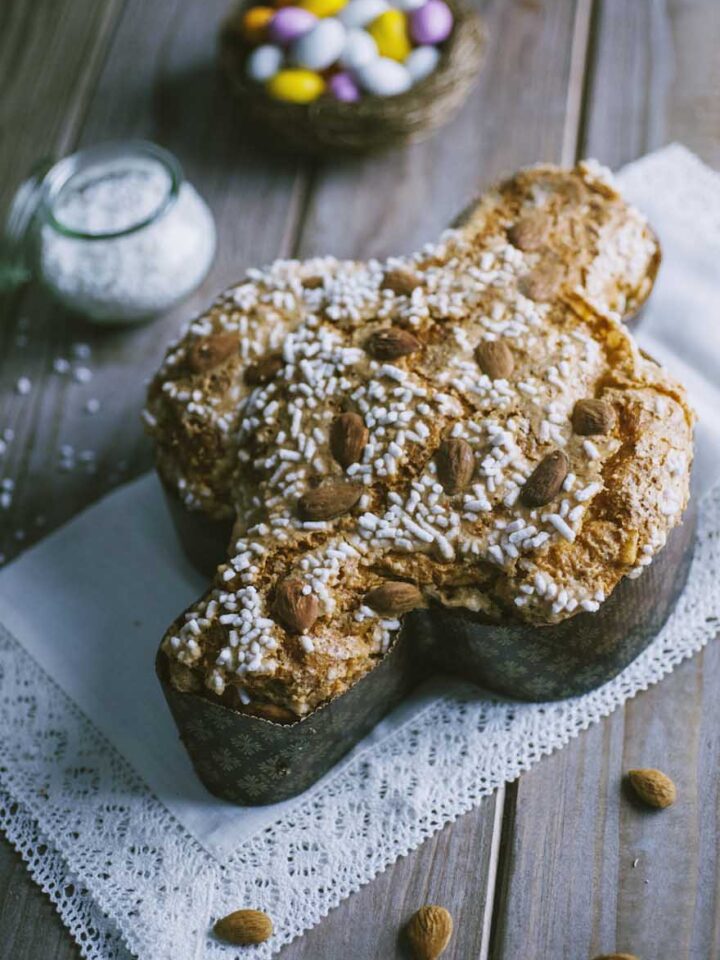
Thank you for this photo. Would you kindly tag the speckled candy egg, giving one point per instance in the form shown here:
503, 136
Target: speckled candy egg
289, 24
323, 8
358, 13
389, 31
360, 48
296, 86
432, 23
264, 62
384, 77
342, 86
320, 47
421, 62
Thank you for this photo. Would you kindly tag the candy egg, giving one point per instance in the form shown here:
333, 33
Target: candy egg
296, 86
289, 23
264, 62
320, 47
384, 77
323, 8
421, 62
255, 23
432, 23
389, 31
359, 49
360, 12
407, 6
343, 87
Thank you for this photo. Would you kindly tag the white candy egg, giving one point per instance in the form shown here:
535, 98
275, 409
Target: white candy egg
408, 5
357, 13
421, 62
320, 47
264, 62
384, 77
360, 48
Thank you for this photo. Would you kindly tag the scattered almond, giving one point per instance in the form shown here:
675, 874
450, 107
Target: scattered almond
293, 609
392, 343
529, 232
210, 352
546, 480
348, 436
429, 931
544, 280
394, 597
402, 281
328, 501
455, 464
313, 282
244, 927
494, 357
265, 370
590, 417
653, 787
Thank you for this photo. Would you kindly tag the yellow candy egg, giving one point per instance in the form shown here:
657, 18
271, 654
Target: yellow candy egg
296, 86
255, 23
389, 31
323, 8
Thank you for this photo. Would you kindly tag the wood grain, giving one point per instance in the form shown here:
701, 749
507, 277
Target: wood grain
74, 72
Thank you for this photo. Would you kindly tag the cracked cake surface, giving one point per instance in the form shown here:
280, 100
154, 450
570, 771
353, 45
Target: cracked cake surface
472, 426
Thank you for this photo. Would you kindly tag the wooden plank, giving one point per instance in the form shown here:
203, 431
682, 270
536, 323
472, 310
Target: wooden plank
158, 80
655, 79
395, 202
454, 869
171, 93
575, 892
391, 204
50, 51
29, 927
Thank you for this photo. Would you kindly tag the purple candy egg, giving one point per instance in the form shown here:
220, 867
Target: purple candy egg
343, 87
432, 23
289, 23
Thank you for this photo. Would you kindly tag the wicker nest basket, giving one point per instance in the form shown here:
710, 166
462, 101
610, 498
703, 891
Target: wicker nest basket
372, 123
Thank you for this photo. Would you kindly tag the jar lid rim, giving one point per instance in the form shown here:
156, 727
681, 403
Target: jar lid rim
62, 172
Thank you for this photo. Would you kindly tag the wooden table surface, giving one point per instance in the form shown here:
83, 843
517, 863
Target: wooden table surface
558, 865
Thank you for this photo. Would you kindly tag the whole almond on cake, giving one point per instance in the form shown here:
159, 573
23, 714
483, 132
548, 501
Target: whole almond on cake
474, 489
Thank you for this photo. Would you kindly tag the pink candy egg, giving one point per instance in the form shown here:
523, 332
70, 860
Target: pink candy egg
289, 23
432, 23
343, 87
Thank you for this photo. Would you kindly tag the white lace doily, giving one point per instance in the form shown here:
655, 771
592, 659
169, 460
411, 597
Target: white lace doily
125, 876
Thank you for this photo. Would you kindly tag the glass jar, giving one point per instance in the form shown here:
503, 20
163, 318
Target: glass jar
114, 232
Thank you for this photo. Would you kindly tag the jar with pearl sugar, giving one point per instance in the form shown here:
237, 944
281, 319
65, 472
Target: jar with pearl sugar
114, 232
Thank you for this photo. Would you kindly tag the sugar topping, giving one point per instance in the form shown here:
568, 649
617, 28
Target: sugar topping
411, 422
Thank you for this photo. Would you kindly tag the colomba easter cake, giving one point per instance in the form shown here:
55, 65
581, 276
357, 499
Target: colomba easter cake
471, 429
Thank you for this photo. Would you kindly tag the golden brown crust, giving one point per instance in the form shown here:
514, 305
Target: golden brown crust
450, 448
